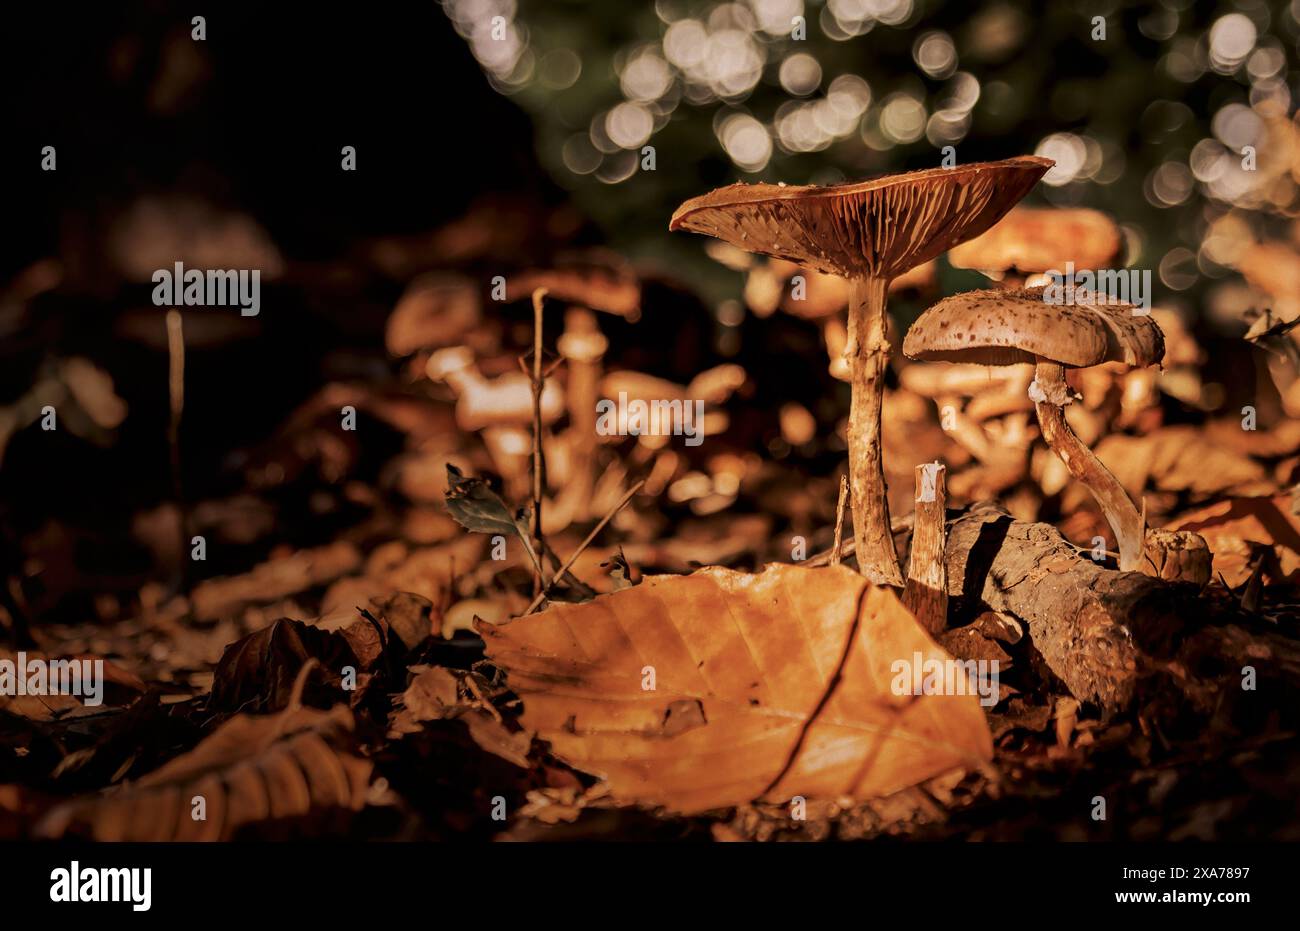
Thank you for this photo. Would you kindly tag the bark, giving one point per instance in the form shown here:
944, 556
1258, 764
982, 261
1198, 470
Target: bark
926, 591
1094, 627
868, 355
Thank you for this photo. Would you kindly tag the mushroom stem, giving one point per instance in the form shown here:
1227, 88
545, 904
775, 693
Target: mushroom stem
868, 355
176, 396
1123, 517
583, 346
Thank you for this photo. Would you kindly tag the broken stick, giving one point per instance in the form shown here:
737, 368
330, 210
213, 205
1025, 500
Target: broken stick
926, 592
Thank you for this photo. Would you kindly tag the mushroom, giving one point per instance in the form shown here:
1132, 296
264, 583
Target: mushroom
597, 279
868, 233
500, 408
1032, 241
436, 310
995, 387
1000, 327
583, 345
712, 386
506, 400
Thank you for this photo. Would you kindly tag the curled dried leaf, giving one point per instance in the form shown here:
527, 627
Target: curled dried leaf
251, 769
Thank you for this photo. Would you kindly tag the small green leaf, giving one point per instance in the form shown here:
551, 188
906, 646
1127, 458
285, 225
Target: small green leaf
477, 507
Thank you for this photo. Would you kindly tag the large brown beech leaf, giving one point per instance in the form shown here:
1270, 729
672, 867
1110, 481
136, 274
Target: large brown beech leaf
253, 768
756, 695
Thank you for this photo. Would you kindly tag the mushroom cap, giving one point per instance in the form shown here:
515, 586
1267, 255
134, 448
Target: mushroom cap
597, 278
436, 310
1030, 239
878, 228
1000, 327
582, 340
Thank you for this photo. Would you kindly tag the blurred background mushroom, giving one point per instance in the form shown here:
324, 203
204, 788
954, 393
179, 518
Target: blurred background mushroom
588, 280
986, 410
500, 407
1030, 241
436, 310
583, 347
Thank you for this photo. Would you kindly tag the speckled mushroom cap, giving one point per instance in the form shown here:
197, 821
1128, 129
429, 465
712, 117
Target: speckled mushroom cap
1030, 239
878, 228
999, 327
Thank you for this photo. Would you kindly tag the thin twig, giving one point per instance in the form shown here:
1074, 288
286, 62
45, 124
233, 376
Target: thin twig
286, 717
849, 547
522, 362
532, 555
481, 698
176, 405
541, 596
300, 683
539, 297
552, 367
836, 554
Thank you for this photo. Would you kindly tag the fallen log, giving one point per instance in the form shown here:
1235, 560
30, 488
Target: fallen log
1098, 630
1094, 627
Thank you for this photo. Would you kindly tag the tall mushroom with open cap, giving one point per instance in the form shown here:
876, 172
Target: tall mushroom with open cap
868, 233
998, 327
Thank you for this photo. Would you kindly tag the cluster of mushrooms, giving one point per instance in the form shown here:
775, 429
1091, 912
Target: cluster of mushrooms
440, 326
872, 233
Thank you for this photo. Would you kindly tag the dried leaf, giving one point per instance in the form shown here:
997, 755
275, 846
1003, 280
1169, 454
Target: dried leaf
427, 572
257, 672
741, 667
407, 615
1181, 459
251, 769
275, 579
477, 507
1233, 528
492, 735
118, 684
434, 693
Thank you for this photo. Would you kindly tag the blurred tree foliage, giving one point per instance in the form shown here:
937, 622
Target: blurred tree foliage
1122, 114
